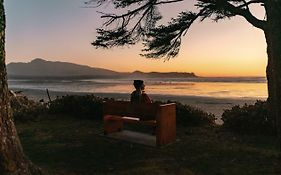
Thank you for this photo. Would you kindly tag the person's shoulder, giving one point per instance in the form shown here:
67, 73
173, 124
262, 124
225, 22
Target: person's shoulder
145, 98
135, 94
144, 94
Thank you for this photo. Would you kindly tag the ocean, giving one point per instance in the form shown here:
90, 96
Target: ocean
213, 94
243, 87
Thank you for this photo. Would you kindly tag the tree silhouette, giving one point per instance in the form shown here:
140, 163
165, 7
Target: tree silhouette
12, 159
139, 23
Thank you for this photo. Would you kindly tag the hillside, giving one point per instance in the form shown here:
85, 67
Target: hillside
42, 68
55, 69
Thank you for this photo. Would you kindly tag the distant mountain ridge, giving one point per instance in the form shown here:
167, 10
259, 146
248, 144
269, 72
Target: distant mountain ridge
42, 68
56, 69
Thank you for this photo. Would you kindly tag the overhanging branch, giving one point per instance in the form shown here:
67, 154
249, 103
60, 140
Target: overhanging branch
246, 4
229, 8
247, 14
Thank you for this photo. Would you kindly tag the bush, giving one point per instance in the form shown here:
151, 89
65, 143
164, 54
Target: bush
88, 106
192, 116
249, 119
24, 109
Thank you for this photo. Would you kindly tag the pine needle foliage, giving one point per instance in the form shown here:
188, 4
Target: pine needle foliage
141, 22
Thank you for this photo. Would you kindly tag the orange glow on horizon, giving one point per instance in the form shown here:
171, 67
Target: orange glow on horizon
229, 48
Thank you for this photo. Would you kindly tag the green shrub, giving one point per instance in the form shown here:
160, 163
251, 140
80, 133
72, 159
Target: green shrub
88, 106
192, 116
24, 109
248, 119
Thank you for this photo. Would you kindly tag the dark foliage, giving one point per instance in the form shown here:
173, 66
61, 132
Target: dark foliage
165, 41
192, 116
140, 20
249, 119
24, 109
88, 106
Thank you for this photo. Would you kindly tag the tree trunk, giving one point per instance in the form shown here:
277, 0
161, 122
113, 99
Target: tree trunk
273, 71
12, 159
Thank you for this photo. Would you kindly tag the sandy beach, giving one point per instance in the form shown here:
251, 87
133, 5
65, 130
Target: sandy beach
208, 104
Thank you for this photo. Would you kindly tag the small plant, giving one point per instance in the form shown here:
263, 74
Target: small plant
24, 109
192, 116
88, 106
249, 119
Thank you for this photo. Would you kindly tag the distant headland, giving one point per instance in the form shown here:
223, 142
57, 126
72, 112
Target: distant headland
40, 68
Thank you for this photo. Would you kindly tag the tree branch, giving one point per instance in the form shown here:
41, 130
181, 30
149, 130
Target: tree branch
224, 8
246, 4
247, 14
167, 2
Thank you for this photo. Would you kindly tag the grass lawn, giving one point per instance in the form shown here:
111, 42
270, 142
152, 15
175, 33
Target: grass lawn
75, 147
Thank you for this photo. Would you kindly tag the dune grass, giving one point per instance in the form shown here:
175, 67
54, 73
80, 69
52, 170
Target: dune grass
72, 146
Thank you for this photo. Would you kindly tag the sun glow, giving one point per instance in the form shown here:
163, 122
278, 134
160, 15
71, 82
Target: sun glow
228, 48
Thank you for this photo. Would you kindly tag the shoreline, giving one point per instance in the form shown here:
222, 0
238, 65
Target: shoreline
208, 104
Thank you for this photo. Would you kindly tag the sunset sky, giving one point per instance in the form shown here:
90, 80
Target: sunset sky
62, 30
